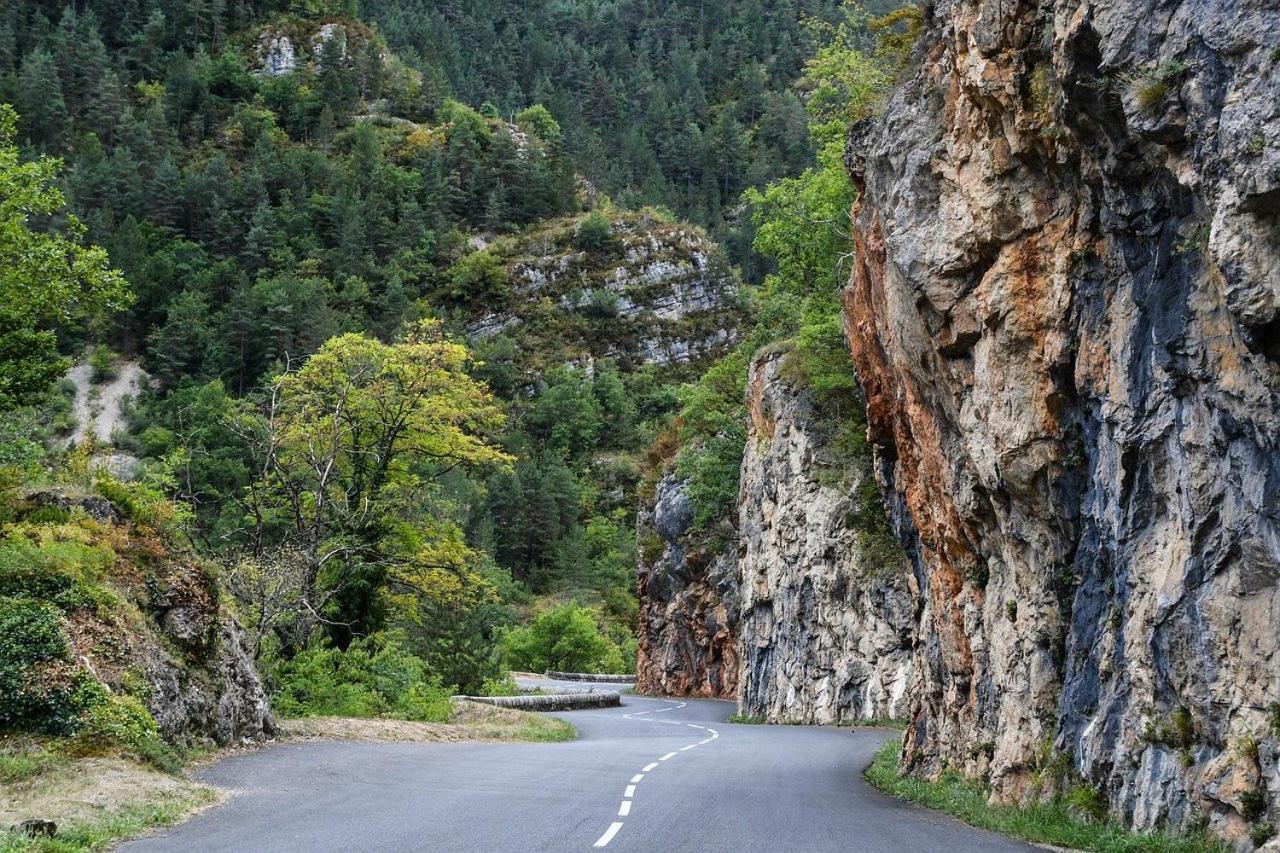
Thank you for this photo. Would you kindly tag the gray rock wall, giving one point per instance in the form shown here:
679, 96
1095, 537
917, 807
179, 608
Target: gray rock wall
827, 625
687, 586
1065, 314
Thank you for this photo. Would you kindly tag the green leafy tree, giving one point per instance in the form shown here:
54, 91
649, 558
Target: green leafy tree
47, 278
349, 447
564, 638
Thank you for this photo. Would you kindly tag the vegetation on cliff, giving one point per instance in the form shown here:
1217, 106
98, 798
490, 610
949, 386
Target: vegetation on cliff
401, 360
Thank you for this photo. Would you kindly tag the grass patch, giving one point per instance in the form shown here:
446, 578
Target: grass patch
748, 719
880, 723
547, 730
1062, 822
23, 759
100, 833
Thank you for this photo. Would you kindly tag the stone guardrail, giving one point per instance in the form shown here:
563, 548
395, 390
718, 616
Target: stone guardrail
552, 702
590, 676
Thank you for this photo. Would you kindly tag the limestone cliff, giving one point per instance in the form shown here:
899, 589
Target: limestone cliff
687, 586
828, 618
1065, 315
646, 292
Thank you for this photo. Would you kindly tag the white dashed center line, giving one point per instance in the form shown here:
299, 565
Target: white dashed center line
624, 808
609, 834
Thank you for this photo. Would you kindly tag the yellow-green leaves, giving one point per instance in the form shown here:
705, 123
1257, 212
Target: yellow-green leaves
352, 446
46, 277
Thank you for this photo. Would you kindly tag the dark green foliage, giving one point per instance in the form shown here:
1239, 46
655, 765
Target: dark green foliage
594, 233
373, 677
1253, 804
679, 104
565, 638
459, 646
31, 639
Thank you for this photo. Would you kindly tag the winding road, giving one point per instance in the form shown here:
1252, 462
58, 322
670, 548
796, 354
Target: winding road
653, 775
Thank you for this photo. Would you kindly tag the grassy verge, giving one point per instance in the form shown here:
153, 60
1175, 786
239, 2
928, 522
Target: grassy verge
95, 801
748, 719
469, 721
1055, 823
879, 723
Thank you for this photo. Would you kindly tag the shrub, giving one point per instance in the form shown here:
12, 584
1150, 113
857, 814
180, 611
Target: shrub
108, 723
102, 361
594, 234
480, 278
373, 677
35, 676
563, 638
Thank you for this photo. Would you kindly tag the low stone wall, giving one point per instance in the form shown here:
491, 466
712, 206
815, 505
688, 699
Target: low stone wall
590, 676
552, 702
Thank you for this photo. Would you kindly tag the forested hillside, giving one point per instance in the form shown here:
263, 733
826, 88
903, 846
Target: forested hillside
680, 104
392, 333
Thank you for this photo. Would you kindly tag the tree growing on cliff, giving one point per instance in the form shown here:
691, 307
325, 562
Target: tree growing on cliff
47, 277
349, 450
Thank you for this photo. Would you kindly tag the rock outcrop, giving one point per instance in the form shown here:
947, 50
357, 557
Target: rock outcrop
650, 292
828, 619
138, 613
1065, 315
687, 586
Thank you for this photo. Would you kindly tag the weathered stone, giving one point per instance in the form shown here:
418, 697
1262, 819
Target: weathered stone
687, 587
1089, 474
659, 293
35, 828
96, 507
276, 55
827, 624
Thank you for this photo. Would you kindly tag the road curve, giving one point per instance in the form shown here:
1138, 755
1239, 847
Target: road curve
653, 775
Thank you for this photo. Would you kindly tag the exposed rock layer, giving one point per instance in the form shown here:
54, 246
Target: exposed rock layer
651, 293
788, 610
688, 592
827, 623
166, 636
1065, 314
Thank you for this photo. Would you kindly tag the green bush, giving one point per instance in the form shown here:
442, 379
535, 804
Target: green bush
32, 645
102, 361
595, 233
373, 677
480, 278
563, 638
108, 723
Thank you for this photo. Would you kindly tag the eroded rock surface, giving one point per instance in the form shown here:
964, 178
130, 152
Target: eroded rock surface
1065, 314
653, 293
687, 587
828, 623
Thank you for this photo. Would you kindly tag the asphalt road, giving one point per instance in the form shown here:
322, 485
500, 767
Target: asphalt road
653, 775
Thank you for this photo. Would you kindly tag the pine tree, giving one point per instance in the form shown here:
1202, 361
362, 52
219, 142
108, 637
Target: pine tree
40, 104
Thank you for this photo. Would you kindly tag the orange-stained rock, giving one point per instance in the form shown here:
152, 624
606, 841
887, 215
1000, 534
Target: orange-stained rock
1065, 316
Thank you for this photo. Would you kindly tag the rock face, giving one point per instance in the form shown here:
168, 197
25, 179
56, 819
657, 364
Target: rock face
828, 623
166, 638
211, 689
652, 293
688, 593
1065, 315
